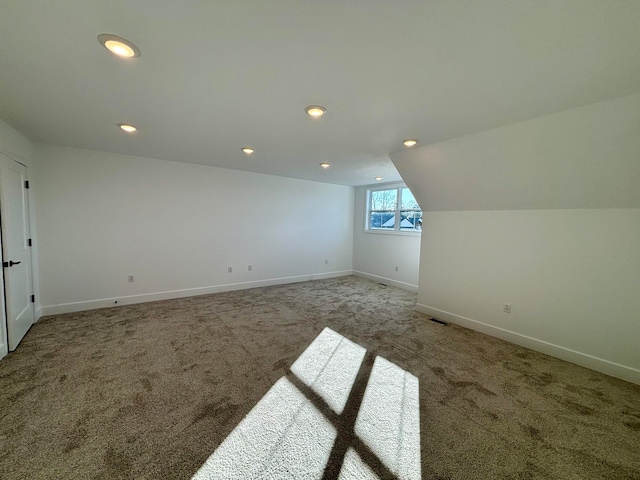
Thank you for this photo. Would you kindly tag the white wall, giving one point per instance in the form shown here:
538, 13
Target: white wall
176, 227
545, 215
17, 146
572, 278
375, 255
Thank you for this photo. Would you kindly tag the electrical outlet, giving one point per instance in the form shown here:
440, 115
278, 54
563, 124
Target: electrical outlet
130, 278
229, 269
396, 268
506, 308
250, 268
326, 262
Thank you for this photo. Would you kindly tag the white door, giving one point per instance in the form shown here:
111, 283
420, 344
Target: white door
4, 345
16, 252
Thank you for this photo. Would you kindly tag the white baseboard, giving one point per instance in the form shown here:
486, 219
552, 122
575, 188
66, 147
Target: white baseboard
189, 292
387, 281
613, 369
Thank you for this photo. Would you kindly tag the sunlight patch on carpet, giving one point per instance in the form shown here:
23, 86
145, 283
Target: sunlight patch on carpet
329, 366
354, 468
287, 436
283, 436
389, 418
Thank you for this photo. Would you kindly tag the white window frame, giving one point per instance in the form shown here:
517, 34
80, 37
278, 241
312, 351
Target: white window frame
367, 211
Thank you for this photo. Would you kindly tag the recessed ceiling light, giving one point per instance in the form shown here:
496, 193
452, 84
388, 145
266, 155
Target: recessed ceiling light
118, 46
325, 165
247, 150
315, 111
410, 142
127, 128
378, 178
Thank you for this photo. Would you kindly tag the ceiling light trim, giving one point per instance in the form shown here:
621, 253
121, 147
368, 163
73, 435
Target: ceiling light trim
118, 46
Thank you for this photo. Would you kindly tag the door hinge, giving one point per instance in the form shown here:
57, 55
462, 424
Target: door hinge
33, 299
29, 242
26, 184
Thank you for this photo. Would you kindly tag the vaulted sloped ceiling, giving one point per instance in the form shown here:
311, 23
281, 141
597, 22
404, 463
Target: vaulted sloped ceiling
588, 157
216, 76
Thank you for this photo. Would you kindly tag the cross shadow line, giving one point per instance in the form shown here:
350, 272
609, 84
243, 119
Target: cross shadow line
345, 423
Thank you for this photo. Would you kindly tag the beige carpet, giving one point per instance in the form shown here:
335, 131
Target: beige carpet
149, 391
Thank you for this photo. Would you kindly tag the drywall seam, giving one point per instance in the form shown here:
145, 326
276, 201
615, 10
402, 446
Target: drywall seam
601, 365
188, 292
388, 281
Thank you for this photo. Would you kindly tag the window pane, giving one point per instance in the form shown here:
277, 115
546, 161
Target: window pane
384, 199
408, 200
411, 220
384, 206
382, 220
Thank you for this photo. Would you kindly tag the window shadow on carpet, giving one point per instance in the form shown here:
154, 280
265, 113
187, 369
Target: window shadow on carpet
339, 413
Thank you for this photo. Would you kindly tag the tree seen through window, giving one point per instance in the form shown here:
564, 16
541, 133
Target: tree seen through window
393, 209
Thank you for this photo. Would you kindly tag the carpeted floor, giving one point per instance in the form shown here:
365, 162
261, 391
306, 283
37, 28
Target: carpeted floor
149, 391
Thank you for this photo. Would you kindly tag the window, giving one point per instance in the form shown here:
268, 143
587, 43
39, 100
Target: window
393, 209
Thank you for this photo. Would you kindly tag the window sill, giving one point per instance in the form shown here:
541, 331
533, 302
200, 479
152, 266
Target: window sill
394, 232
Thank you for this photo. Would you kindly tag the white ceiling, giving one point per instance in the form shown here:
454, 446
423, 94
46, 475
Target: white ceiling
214, 76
